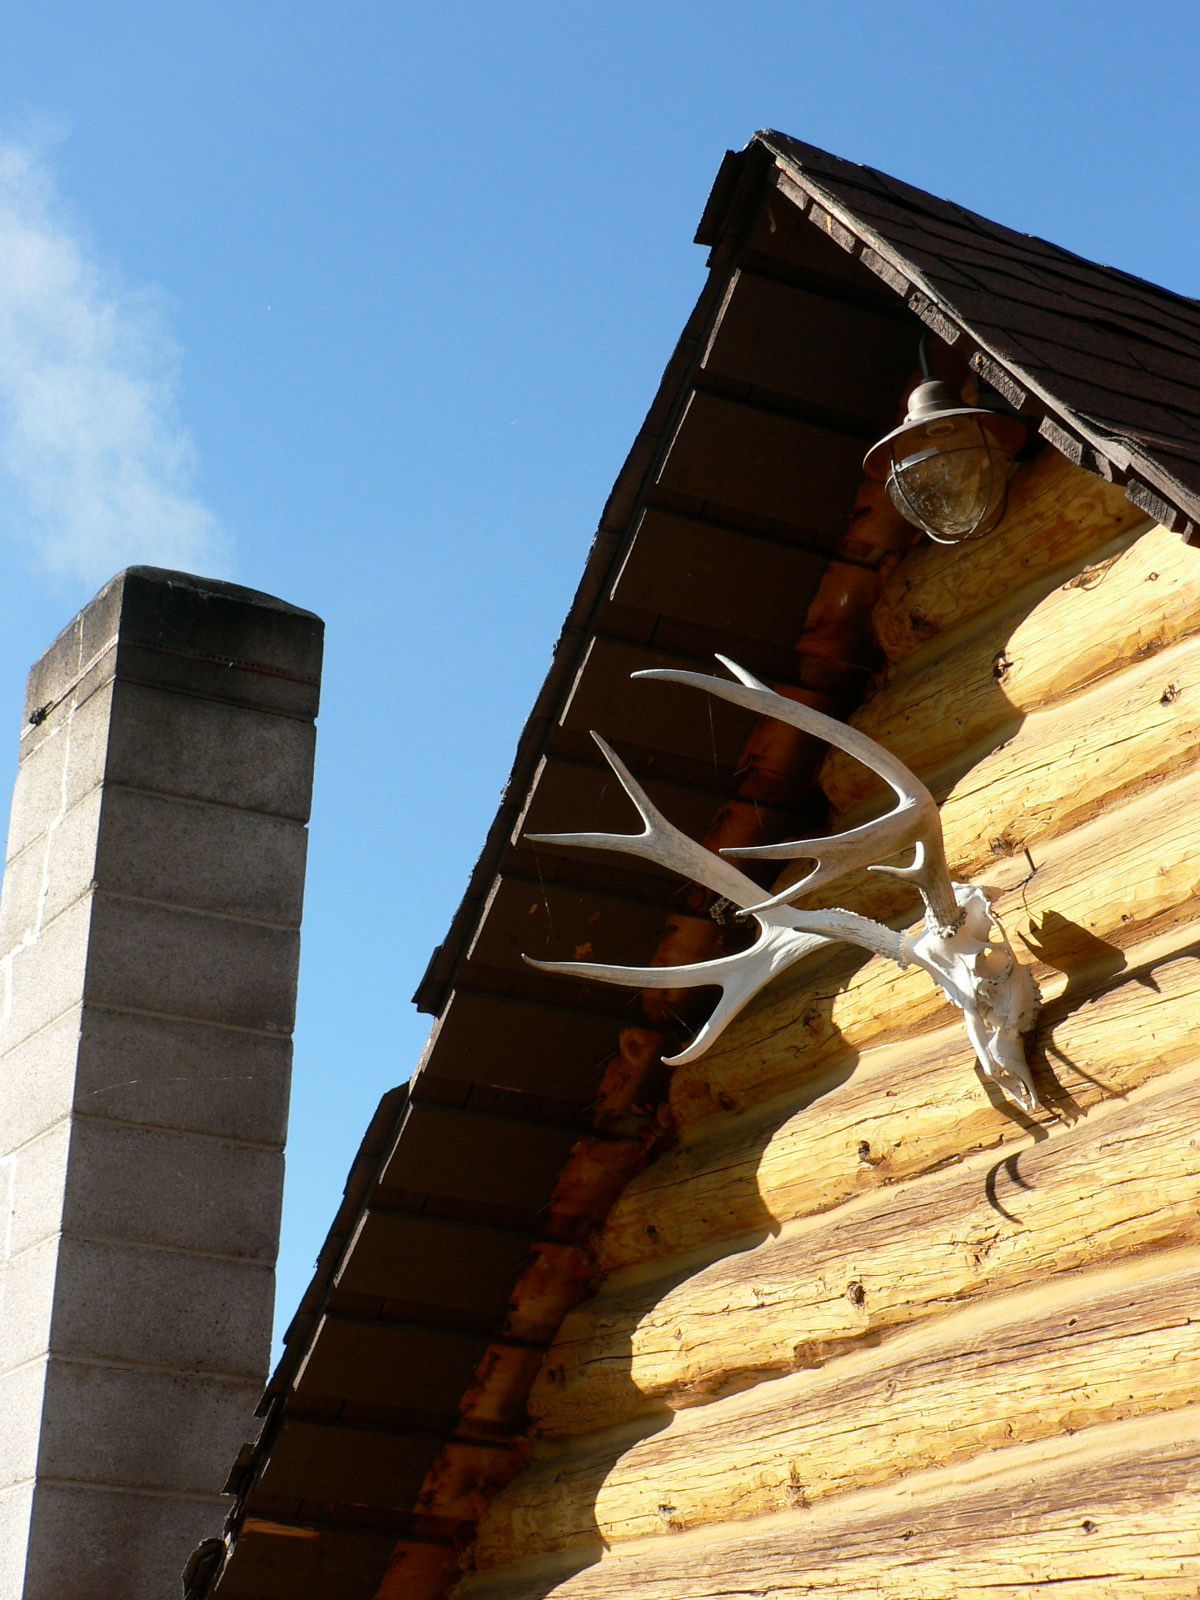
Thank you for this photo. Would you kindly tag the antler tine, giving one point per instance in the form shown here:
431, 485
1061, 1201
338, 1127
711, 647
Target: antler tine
913, 820
661, 842
756, 696
914, 871
738, 976
836, 854
691, 975
962, 946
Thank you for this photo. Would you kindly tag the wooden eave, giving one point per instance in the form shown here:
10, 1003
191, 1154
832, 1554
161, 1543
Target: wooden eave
462, 1238
1105, 362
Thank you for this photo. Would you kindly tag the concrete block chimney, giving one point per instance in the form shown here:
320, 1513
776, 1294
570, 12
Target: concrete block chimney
149, 939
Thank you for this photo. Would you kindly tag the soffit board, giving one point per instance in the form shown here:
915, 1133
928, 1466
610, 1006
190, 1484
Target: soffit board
721, 480
715, 491
1111, 361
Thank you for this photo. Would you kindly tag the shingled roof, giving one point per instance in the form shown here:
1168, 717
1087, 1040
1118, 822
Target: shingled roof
1114, 361
731, 527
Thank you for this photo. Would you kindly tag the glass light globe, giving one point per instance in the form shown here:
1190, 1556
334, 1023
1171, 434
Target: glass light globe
946, 468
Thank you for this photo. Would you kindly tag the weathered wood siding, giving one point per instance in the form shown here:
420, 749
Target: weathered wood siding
865, 1332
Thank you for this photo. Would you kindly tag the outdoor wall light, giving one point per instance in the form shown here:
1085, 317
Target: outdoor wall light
946, 466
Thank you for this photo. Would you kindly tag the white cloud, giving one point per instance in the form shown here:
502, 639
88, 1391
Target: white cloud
96, 468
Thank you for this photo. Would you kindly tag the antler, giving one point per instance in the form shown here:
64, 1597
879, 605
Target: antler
962, 947
660, 841
785, 934
912, 824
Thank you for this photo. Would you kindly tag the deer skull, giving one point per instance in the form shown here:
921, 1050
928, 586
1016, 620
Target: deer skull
962, 945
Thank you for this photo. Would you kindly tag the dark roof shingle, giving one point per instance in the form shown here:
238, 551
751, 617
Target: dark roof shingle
1112, 357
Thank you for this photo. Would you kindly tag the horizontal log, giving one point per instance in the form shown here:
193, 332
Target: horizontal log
1067, 763
1063, 768
1106, 1515
1088, 1349
1142, 598
1057, 515
495, 1398
1126, 876
901, 1110
1125, 1180
1064, 764
416, 1571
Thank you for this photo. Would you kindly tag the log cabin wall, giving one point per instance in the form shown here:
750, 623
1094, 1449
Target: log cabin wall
865, 1331
836, 1224
399, 1404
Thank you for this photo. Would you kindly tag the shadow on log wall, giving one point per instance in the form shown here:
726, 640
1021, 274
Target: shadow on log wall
851, 1078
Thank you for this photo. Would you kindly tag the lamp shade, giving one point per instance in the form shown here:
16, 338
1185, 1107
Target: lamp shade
946, 467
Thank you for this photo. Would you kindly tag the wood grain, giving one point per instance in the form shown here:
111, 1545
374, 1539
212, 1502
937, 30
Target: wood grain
1068, 764
1124, 1180
1084, 1349
1057, 514
1142, 598
1109, 1514
1070, 761
1078, 902
902, 1110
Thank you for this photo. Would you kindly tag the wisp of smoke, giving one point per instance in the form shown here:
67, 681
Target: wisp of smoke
96, 468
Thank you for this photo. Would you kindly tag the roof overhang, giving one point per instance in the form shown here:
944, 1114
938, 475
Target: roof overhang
736, 525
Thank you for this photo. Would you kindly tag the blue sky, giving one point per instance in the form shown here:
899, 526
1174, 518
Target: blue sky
362, 304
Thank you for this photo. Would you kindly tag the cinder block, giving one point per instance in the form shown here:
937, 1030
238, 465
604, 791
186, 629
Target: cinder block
234, 682
132, 1427
135, 1544
220, 640
37, 794
37, 1080
213, 620
183, 963
21, 1393
183, 1190
206, 857
26, 1303
177, 744
59, 765
21, 896
51, 873
175, 1074
47, 975
210, 637
147, 1070
188, 1312
16, 1509
38, 1177
147, 995
90, 635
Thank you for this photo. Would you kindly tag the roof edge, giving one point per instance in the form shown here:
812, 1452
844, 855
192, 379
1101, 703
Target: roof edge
1118, 457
